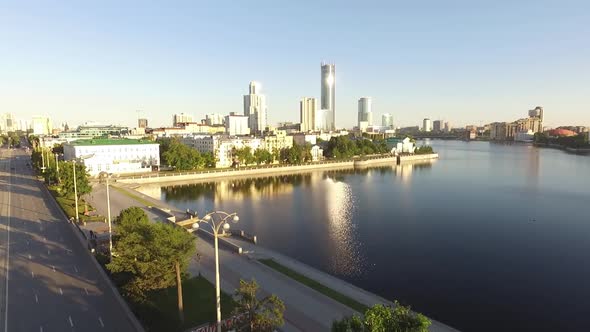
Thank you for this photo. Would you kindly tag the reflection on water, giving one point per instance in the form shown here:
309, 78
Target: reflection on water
344, 247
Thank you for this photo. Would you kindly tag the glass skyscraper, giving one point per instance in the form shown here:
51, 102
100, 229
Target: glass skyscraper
328, 101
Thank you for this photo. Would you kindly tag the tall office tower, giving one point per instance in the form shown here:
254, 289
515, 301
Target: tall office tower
142, 123
181, 118
307, 110
364, 111
328, 85
255, 108
427, 125
438, 126
323, 118
41, 125
387, 120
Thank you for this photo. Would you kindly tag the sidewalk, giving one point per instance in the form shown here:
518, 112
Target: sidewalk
306, 309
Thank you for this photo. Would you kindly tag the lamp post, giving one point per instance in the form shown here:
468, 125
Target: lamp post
109, 219
218, 220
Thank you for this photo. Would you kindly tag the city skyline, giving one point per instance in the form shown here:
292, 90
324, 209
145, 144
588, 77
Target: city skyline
72, 62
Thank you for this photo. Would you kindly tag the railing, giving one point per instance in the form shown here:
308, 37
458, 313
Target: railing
247, 168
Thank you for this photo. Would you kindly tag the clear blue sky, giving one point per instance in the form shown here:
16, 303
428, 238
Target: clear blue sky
464, 61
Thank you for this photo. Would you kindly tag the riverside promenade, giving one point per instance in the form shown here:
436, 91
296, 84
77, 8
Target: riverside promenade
306, 309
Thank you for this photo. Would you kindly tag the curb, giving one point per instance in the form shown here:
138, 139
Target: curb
131, 317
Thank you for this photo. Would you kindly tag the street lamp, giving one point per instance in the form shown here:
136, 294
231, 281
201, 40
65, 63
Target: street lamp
107, 175
218, 220
75, 188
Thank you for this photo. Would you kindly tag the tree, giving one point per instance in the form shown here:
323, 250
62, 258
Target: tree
260, 315
424, 149
180, 156
381, 318
151, 255
263, 156
209, 160
66, 179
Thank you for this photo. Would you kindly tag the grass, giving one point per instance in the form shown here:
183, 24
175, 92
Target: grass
68, 205
133, 196
160, 312
329, 292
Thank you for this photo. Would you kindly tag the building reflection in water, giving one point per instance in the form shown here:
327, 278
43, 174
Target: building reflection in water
404, 170
344, 248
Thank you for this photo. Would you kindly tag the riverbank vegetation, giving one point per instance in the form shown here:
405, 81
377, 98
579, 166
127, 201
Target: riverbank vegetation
182, 157
342, 147
382, 318
579, 141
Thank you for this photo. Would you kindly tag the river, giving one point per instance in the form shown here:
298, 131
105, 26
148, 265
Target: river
491, 237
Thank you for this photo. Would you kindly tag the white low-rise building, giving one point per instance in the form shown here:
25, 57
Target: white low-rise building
116, 156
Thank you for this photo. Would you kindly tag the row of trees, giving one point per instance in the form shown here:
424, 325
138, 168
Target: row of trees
342, 147
380, 318
578, 141
152, 256
12, 140
61, 173
297, 154
182, 157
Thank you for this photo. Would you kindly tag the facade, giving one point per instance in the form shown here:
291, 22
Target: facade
437, 126
328, 98
236, 125
399, 146
448, 127
8, 123
508, 131
323, 118
427, 125
365, 114
317, 153
307, 110
387, 120
277, 140
41, 125
117, 156
525, 136
498, 131
302, 139
214, 119
181, 118
255, 108
142, 123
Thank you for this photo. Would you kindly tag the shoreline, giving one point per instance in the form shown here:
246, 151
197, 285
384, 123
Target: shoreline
209, 175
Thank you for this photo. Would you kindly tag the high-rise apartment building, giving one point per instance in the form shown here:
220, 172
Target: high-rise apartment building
387, 120
448, 127
237, 124
365, 113
142, 123
437, 126
181, 118
41, 125
213, 119
427, 125
328, 98
323, 120
255, 108
307, 110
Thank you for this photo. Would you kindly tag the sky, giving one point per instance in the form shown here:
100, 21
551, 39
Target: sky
467, 62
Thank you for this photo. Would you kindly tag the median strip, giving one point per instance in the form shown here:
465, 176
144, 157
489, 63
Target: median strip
327, 291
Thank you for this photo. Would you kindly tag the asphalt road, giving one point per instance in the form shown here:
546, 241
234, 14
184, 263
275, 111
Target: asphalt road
47, 279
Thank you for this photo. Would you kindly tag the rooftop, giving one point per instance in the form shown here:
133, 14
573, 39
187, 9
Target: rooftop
107, 141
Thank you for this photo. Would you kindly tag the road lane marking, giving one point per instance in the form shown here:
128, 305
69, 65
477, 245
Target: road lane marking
7, 252
71, 322
101, 323
48, 252
61, 291
53, 267
36, 299
40, 328
32, 274
76, 269
29, 256
86, 290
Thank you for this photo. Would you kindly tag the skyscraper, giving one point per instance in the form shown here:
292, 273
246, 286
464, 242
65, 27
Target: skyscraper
427, 125
255, 108
177, 119
307, 110
364, 111
142, 123
328, 86
387, 120
438, 125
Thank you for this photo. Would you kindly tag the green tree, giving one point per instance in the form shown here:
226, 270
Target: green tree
209, 160
244, 155
424, 149
380, 318
151, 255
180, 156
263, 156
66, 179
261, 315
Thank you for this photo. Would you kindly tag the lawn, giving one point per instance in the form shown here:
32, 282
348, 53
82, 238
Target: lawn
133, 196
329, 292
68, 205
160, 313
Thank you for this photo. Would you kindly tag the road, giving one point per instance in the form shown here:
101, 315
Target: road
48, 281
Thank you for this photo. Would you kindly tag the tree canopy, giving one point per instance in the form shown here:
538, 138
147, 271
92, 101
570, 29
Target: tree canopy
148, 253
381, 318
66, 178
180, 156
342, 147
261, 315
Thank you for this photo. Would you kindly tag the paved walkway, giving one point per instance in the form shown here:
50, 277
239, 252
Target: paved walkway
306, 309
